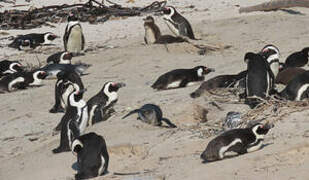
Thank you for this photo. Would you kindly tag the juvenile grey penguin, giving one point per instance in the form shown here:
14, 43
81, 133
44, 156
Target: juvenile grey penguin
151, 114
9, 67
181, 77
92, 155
76, 113
34, 40
73, 39
60, 58
153, 34
101, 105
240, 141
179, 25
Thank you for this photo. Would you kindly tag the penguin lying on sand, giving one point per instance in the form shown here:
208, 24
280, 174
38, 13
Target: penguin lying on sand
92, 156
179, 25
9, 67
151, 114
54, 69
60, 58
34, 40
101, 105
297, 59
240, 141
76, 113
181, 77
286, 75
153, 34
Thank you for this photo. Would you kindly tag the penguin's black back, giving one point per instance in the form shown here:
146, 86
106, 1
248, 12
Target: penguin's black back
179, 18
297, 59
291, 90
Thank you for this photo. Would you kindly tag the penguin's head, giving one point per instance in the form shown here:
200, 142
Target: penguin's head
259, 129
169, 10
16, 67
270, 49
77, 146
40, 74
249, 56
50, 36
78, 94
203, 70
111, 87
305, 51
65, 58
149, 19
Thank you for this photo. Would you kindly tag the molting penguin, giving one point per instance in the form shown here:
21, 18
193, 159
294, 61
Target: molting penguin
73, 39
66, 83
76, 113
271, 54
259, 81
297, 88
181, 77
297, 59
151, 114
60, 58
92, 156
35, 39
101, 105
286, 75
153, 34
9, 67
222, 81
239, 141
54, 69
179, 25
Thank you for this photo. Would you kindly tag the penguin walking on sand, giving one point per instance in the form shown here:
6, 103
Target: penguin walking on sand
259, 79
297, 59
181, 77
60, 58
101, 105
76, 113
92, 155
9, 67
298, 88
179, 25
240, 141
151, 114
66, 83
34, 40
153, 34
73, 39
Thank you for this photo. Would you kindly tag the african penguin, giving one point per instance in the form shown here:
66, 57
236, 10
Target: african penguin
179, 25
297, 88
21, 44
222, 81
286, 75
73, 39
151, 114
153, 34
240, 141
259, 81
181, 77
76, 113
11, 82
35, 39
101, 105
9, 67
60, 58
92, 155
297, 59
271, 54
54, 69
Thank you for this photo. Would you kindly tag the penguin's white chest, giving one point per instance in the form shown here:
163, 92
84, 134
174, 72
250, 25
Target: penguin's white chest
172, 27
74, 43
150, 36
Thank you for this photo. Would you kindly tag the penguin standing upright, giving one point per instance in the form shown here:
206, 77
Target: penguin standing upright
77, 112
9, 67
101, 105
66, 83
240, 141
179, 25
272, 54
73, 39
297, 59
60, 58
181, 77
92, 155
153, 34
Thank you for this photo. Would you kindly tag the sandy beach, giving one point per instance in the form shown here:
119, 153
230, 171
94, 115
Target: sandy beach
157, 152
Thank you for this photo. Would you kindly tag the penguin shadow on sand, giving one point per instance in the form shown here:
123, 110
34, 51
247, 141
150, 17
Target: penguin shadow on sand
151, 114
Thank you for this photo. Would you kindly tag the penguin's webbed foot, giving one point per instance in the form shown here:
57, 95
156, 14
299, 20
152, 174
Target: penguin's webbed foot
60, 149
57, 110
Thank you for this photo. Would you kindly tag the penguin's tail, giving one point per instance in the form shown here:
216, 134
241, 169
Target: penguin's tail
130, 113
169, 123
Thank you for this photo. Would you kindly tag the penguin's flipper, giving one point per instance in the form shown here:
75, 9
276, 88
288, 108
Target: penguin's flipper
97, 115
169, 123
183, 83
239, 148
83, 41
130, 113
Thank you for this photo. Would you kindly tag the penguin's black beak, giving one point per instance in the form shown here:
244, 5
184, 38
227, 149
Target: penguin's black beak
208, 70
82, 91
268, 126
120, 85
